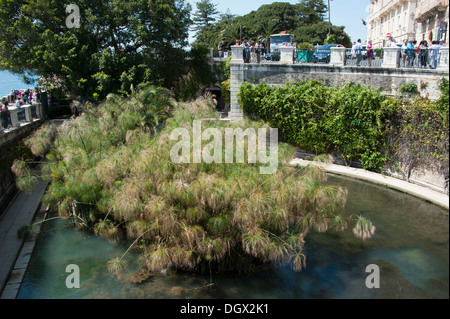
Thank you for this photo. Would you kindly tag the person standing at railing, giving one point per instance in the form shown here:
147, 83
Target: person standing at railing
358, 52
4, 115
370, 53
4, 107
246, 52
411, 53
416, 54
258, 51
404, 53
441, 45
18, 103
434, 54
220, 48
252, 52
392, 43
423, 54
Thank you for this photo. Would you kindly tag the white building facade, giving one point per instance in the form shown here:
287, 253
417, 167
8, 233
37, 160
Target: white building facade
407, 20
432, 20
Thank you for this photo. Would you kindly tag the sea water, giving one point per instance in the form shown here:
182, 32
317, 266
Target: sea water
10, 81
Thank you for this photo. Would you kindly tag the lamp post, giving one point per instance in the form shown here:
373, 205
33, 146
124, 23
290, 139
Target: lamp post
329, 19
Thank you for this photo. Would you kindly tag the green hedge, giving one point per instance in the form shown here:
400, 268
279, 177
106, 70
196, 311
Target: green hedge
353, 120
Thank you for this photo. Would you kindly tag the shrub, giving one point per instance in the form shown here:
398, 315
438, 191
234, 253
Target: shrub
346, 119
357, 122
410, 88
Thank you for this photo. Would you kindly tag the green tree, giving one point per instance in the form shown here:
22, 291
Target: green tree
330, 40
118, 43
312, 11
304, 20
267, 28
233, 32
318, 33
205, 14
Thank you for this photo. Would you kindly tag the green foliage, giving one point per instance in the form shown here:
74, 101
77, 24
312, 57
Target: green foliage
305, 20
205, 14
119, 43
59, 111
330, 40
197, 73
42, 139
418, 135
10, 152
357, 122
226, 91
312, 11
39, 142
305, 46
317, 34
410, 88
443, 100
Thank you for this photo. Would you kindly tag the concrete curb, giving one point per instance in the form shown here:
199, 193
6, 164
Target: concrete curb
22, 210
15, 278
421, 192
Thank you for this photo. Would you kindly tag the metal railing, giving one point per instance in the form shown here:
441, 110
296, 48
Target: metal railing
366, 58
420, 58
416, 58
15, 117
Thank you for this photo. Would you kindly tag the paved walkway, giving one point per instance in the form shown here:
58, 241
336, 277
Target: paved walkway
20, 212
391, 182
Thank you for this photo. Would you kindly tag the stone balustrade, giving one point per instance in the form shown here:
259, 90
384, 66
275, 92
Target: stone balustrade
337, 56
391, 57
287, 54
443, 59
13, 115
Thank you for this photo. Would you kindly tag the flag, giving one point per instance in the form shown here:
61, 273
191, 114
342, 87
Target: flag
364, 22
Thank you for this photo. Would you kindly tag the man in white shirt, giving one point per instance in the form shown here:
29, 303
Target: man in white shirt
434, 54
404, 53
358, 52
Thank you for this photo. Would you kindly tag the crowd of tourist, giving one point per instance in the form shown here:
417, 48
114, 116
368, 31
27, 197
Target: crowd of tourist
252, 50
420, 55
19, 98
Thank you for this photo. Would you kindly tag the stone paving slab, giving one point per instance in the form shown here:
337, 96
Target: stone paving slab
20, 213
10, 291
16, 276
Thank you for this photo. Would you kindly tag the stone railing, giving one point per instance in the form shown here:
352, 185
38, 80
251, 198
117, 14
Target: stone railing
13, 117
389, 57
392, 58
28, 112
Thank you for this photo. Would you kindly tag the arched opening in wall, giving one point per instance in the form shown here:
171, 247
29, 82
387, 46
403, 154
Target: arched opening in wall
216, 92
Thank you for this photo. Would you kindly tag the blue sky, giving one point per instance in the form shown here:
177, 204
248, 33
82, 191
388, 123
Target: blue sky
346, 13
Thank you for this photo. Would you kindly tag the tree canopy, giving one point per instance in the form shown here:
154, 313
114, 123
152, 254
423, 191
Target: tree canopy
205, 14
118, 43
306, 16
